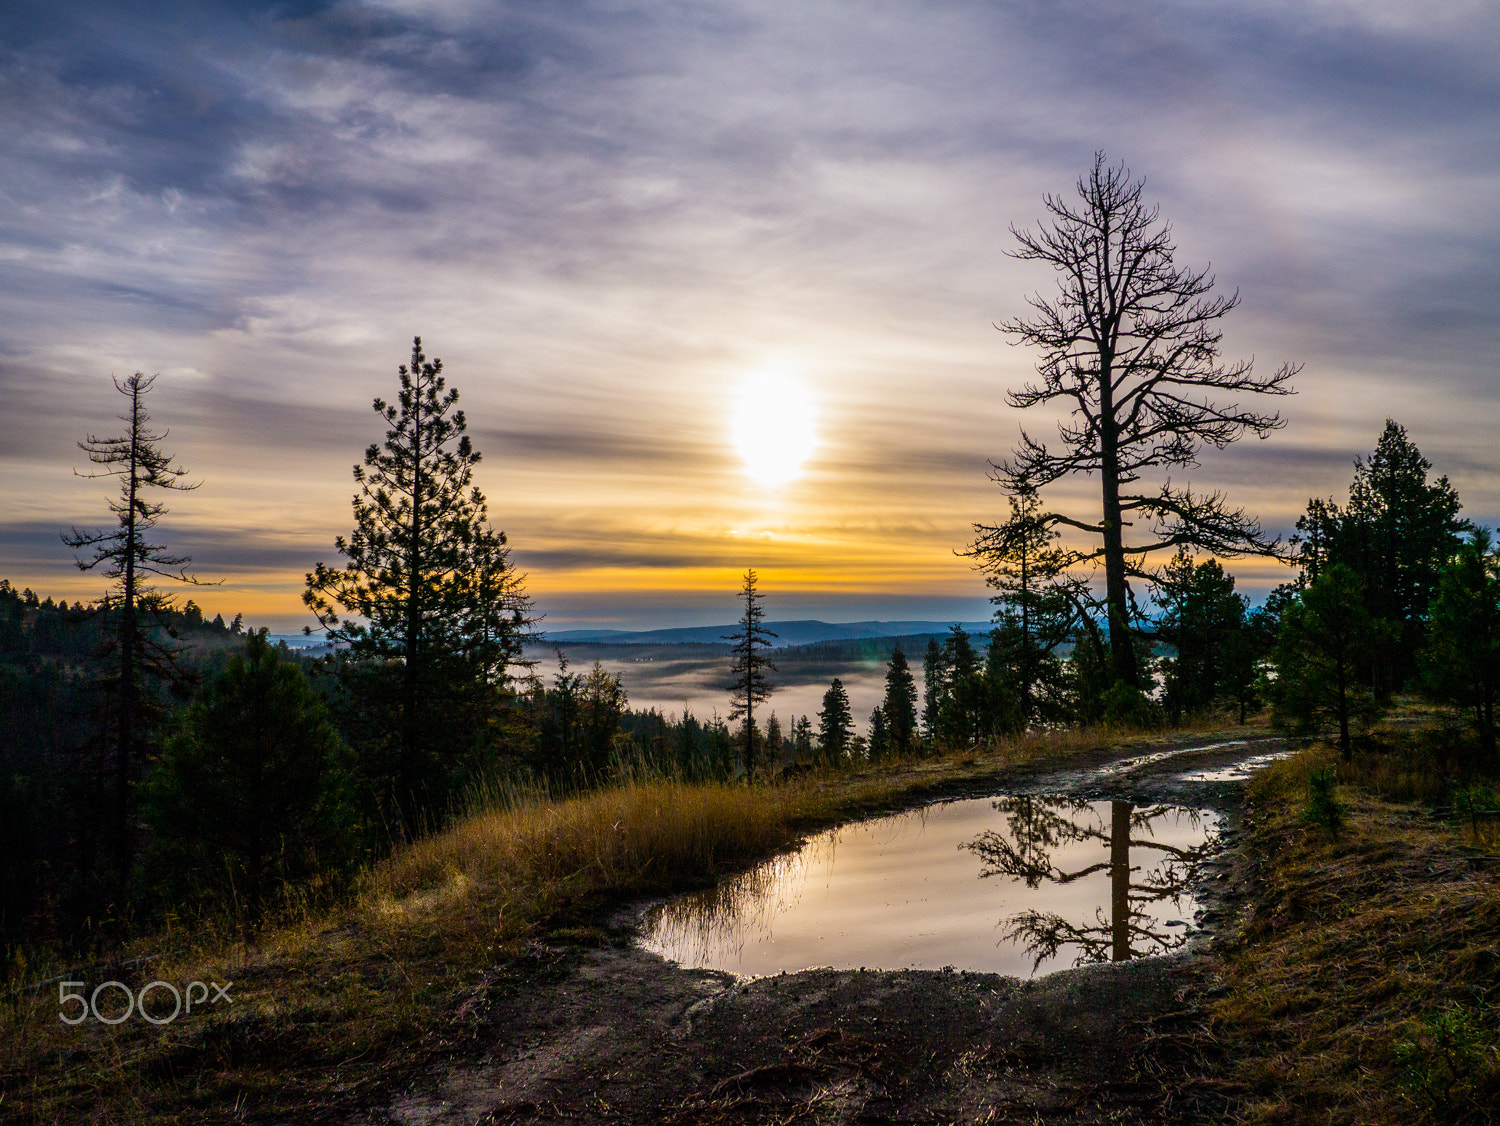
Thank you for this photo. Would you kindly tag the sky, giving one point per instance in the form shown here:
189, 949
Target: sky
637, 232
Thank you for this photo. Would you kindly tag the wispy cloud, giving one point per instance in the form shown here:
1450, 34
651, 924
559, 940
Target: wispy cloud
605, 217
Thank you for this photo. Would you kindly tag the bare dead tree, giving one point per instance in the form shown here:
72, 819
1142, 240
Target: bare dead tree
1131, 344
133, 657
1037, 827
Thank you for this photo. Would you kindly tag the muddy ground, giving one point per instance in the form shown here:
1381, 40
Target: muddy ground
617, 1035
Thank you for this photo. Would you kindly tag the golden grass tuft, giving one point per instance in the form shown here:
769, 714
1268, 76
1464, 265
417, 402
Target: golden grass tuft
643, 833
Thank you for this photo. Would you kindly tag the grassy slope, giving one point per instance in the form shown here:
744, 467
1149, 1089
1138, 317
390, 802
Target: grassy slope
340, 1006
1365, 989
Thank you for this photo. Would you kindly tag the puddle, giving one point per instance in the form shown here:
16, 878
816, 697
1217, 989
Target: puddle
1013, 885
1238, 771
1125, 766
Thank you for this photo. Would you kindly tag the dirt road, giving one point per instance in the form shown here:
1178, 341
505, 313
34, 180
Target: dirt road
616, 1035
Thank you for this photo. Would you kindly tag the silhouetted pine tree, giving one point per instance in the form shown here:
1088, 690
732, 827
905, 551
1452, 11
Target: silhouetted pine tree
557, 718
1397, 535
427, 593
835, 725
1001, 702
775, 737
880, 736
934, 689
1131, 348
603, 703
1461, 664
255, 790
751, 686
960, 718
1326, 637
1037, 603
900, 704
1204, 620
802, 739
689, 746
135, 657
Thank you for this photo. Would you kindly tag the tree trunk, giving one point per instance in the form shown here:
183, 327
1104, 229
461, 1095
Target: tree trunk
1027, 670
407, 774
749, 703
129, 643
256, 858
1119, 878
1346, 744
1116, 589
1487, 727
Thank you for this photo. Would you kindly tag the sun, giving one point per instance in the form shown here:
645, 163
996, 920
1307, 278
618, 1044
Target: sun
774, 428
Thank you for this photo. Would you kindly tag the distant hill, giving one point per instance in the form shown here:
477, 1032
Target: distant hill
804, 632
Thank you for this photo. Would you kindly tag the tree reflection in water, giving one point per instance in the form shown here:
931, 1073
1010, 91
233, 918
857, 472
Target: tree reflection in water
1039, 826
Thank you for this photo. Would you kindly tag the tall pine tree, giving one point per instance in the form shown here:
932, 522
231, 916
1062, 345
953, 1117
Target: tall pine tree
1203, 620
1327, 635
835, 725
1401, 530
1397, 534
751, 686
1461, 664
427, 593
1130, 348
136, 657
900, 704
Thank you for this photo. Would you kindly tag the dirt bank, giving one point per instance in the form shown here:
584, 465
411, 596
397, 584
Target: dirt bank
613, 1034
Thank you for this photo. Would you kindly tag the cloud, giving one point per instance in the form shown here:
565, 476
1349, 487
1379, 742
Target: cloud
604, 216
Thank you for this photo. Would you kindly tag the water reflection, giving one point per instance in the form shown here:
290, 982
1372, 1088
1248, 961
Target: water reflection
1236, 771
712, 928
919, 890
1036, 832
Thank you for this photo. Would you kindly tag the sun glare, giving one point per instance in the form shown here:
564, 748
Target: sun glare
774, 428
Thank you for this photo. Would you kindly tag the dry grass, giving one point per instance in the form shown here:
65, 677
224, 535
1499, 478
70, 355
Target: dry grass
378, 983
611, 838
338, 1006
1365, 989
